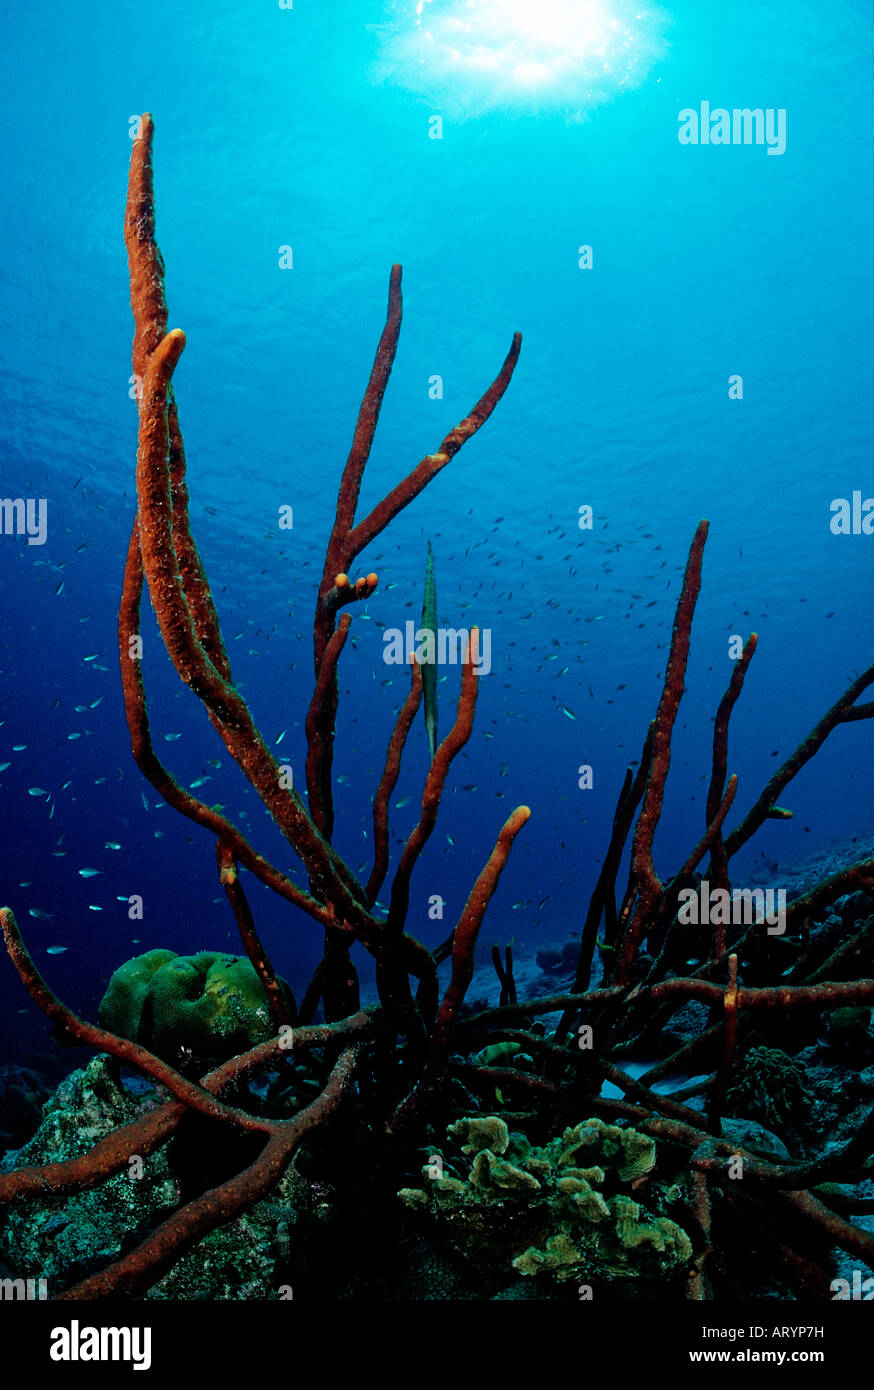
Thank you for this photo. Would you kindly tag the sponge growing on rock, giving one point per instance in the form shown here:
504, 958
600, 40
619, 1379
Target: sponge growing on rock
209, 1005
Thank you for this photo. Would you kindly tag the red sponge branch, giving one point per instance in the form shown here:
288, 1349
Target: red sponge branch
463, 945
388, 781
647, 883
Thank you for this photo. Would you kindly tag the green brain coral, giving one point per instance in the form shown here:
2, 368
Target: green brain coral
559, 1209
211, 1004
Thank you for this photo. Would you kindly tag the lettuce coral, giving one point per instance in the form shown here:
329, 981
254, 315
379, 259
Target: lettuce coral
559, 1209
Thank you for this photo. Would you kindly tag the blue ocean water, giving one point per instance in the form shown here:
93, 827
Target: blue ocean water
311, 126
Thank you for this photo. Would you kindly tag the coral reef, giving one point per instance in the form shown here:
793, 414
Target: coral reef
550, 1200
163, 554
